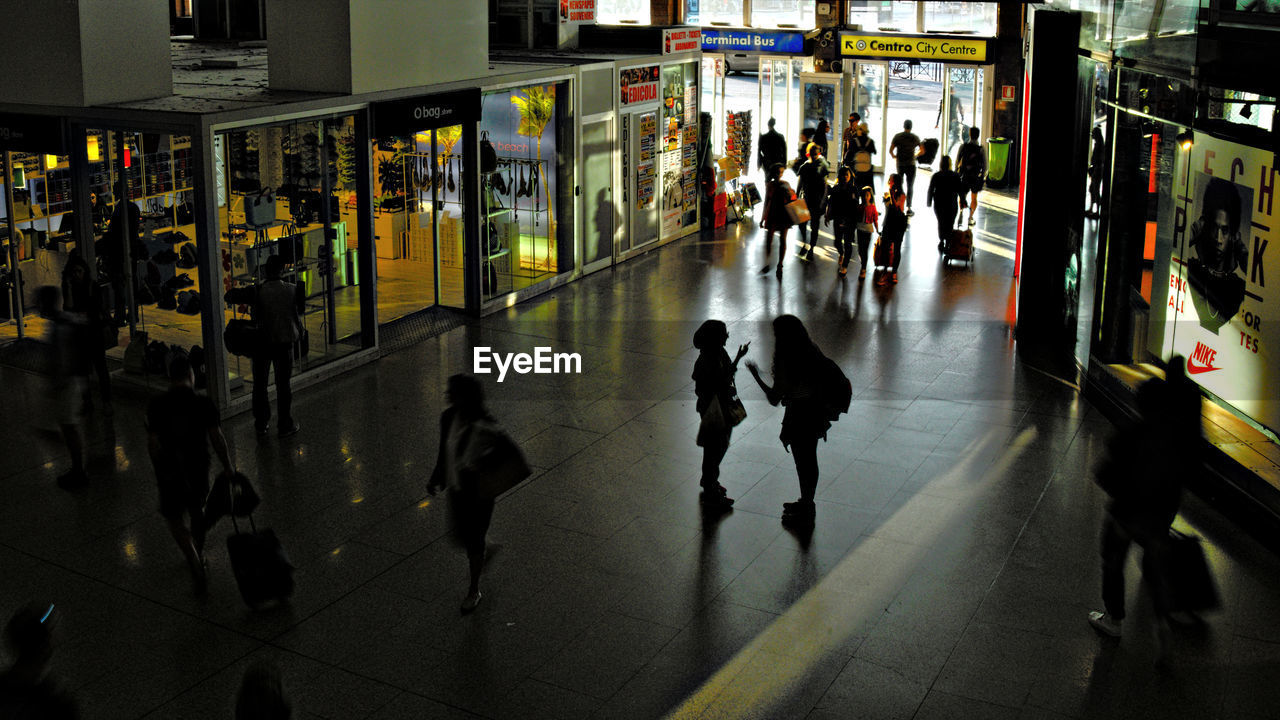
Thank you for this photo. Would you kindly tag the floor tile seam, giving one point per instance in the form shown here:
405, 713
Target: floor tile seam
206, 678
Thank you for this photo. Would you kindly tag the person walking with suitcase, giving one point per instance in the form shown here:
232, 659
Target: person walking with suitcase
180, 427
796, 386
971, 164
1145, 469
713, 383
946, 195
775, 218
845, 208
813, 188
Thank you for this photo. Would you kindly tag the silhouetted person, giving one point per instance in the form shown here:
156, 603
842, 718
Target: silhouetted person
602, 221
955, 121
946, 195
457, 466
180, 427
859, 155
802, 156
971, 164
795, 385
81, 296
869, 222
261, 695
905, 148
276, 310
812, 179
847, 136
713, 383
895, 226
844, 212
772, 148
27, 692
1097, 161
775, 218
114, 247
67, 383
1145, 470
820, 135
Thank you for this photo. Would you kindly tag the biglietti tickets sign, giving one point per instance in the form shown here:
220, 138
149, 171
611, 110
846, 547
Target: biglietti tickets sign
1219, 312
638, 85
683, 40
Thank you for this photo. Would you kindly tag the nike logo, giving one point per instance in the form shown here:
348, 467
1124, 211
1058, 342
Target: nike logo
1195, 369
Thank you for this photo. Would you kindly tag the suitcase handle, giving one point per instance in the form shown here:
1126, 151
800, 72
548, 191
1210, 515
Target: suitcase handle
231, 497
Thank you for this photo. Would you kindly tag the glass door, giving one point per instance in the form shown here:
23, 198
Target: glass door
779, 88
599, 219
869, 98
961, 106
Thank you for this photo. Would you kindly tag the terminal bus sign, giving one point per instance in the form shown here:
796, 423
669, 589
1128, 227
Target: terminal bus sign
947, 49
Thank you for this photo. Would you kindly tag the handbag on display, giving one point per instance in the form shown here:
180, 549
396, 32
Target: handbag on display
798, 210
260, 209
488, 156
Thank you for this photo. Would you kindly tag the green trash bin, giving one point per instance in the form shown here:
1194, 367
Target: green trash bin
998, 161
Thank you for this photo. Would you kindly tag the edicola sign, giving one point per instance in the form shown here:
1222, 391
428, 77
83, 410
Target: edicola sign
638, 85
949, 49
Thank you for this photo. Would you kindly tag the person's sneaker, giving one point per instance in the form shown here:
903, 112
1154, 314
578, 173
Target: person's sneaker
862, 275
1104, 624
73, 480
778, 272
291, 430
470, 602
262, 432
765, 270
942, 247
715, 500
972, 220
895, 278
844, 270
799, 507
910, 212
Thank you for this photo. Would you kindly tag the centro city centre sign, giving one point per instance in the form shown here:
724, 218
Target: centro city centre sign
920, 48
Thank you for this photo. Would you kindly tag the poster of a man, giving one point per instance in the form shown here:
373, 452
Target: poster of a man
1217, 238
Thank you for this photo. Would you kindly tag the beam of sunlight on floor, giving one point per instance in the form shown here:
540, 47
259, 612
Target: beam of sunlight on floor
764, 673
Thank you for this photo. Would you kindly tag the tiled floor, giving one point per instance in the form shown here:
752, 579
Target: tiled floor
952, 565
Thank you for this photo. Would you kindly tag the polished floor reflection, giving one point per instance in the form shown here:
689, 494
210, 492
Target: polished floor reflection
949, 574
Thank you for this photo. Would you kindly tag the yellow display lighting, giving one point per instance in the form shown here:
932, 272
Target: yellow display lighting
95, 152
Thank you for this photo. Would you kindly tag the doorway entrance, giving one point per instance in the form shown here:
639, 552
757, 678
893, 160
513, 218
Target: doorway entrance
941, 101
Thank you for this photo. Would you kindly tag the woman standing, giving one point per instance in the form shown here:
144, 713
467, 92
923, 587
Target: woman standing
795, 358
776, 220
713, 382
895, 225
869, 221
844, 208
457, 467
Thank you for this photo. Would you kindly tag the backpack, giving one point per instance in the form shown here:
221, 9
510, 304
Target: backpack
488, 156
836, 388
861, 155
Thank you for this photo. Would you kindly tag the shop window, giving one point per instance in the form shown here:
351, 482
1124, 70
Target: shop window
896, 16
718, 12
1242, 108
522, 210
290, 190
782, 13
622, 12
970, 18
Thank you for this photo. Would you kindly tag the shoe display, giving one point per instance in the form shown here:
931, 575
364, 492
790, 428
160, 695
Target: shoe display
472, 600
1104, 624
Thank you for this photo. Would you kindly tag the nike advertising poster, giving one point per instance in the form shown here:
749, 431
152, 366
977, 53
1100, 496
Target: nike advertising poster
1219, 313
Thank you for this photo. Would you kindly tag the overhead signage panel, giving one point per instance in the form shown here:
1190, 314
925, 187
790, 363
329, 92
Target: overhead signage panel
947, 49
749, 41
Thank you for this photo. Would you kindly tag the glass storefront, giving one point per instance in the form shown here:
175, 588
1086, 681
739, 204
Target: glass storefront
620, 12
291, 190
525, 236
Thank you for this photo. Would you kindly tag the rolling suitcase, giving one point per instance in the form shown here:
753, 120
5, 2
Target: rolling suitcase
928, 152
1190, 580
959, 245
883, 254
262, 569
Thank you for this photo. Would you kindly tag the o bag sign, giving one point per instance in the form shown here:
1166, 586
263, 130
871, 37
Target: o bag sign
401, 118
